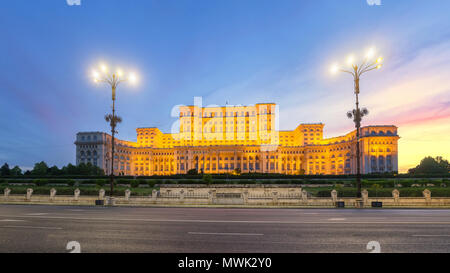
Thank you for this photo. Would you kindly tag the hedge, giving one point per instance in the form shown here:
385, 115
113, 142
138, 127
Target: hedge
241, 176
384, 183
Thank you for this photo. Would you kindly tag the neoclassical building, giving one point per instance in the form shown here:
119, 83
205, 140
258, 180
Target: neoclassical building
222, 139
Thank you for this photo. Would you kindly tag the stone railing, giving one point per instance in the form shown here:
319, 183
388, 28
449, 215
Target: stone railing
240, 196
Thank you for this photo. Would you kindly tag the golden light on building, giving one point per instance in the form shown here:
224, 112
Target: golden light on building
244, 138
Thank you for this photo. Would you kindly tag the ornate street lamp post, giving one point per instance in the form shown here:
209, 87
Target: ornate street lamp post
356, 70
113, 80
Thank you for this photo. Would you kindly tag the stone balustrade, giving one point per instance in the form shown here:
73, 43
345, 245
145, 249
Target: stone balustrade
238, 195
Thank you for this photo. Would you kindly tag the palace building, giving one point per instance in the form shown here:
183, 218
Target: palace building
223, 139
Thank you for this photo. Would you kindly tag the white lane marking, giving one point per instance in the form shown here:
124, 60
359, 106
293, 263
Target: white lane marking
12, 220
225, 233
226, 221
30, 227
312, 213
431, 235
75, 209
36, 214
337, 219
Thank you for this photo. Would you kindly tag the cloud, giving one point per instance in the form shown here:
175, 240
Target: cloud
374, 2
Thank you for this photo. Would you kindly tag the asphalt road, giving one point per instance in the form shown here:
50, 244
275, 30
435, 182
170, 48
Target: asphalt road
38, 228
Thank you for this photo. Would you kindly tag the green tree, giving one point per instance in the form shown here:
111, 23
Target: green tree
40, 168
16, 171
430, 165
54, 171
4, 170
192, 171
69, 169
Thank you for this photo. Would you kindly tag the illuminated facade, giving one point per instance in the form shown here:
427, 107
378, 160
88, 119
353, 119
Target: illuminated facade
222, 139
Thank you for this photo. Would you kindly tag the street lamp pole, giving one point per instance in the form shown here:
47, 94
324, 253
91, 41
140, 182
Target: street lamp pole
113, 80
357, 117
113, 121
357, 114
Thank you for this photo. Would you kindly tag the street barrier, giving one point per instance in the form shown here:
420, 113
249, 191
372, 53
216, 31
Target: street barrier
229, 195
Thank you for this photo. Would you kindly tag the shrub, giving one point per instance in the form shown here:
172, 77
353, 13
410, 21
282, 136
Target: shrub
41, 182
347, 192
379, 192
71, 182
409, 183
125, 182
100, 182
141, 181
189, 181
192, 172
134, 183
151, 183
158, 181
381, 183
207, 179
410, 192
436, 192
87, 182
349, 184
324, 193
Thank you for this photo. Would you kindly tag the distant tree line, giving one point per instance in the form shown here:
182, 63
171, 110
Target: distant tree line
42, 169
430, 165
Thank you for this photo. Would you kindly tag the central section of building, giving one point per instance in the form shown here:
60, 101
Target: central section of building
240, 139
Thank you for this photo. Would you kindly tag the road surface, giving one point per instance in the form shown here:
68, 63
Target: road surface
37, 228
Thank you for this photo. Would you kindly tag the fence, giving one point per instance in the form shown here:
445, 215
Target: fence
239, 196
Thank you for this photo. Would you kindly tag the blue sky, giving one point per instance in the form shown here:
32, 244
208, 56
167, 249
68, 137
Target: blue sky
240, 51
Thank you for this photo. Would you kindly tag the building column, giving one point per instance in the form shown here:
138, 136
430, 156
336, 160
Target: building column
279, 162
210, 156
217, 161
235, 159
189, 161
395, 161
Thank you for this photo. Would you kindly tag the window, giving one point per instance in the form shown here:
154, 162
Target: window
381, 163
373, 163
